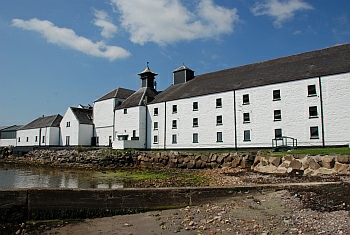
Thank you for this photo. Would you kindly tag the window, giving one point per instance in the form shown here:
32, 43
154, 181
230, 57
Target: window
174, 124
68, 124
218, 103
19, 139
155, 139
174, 108
246, 118
314, 132
313, 112
133, 134
27, 139
278, 133
67, 140
195, 138
155, 111
36, 138
43, 140
123, 137
174, 139
246, 99
195, 106
246, 135
195, 122
277, 115
276, 95
218, 120
218, 136
155, 126
311, 90
125, 111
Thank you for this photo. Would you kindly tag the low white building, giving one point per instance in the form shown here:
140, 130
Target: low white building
299, 100
8, 135
103, 114
131, 116
77, 128
43, 131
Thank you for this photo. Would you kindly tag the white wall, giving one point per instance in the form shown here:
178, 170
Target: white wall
72, 130
336, 103
207, 128
85, 134
7, 142
294, 106
126, 124
28, 137
103, 120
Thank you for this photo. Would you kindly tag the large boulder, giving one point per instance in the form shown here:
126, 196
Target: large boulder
343, 159
328, 162
295, 164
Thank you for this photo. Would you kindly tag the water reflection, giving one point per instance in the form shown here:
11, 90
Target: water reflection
35, 177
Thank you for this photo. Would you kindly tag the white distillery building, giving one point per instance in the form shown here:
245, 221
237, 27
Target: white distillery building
43, 131
77, 126
304, 97
103, 114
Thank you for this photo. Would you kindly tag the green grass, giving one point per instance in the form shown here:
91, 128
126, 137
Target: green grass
315, 151
134, 174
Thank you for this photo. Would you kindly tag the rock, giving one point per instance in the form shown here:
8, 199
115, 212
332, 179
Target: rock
295, 164
236, 161
288, 157
276, 161
281, 170
341, 168
343, 159
328, 162
326, 171
313, 165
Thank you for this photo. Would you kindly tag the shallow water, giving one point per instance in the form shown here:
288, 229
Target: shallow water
14, 177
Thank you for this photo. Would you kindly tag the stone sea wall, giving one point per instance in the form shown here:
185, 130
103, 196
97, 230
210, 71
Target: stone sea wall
256, 161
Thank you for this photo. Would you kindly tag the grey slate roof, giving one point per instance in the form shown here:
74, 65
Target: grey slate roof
10, 128
120, 93
139, 98
332, 60
84, 116
48, 121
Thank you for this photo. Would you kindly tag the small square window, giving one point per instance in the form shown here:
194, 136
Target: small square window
277, 115
125, 111
174, 108
218, 103
246, 135
195, 122
218, 120
174, 139
246, 99
276, 95
174, 124
68, 124
246, 118
155, 111
311, 90
313, 112
155, 126
314, 132
278, 133
195, 138
218, 136
195, 106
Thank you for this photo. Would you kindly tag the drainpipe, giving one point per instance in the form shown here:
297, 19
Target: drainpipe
235, 117
164, 125
146, 130
322, 116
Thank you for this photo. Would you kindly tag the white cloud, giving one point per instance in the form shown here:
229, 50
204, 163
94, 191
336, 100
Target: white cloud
168, 21
67, 37
280, 10
104, 21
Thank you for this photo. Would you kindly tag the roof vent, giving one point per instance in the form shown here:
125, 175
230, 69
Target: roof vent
183, 74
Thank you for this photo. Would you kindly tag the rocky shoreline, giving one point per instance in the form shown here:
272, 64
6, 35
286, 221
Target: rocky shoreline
256, 161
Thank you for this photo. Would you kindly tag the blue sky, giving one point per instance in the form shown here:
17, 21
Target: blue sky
60, 53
